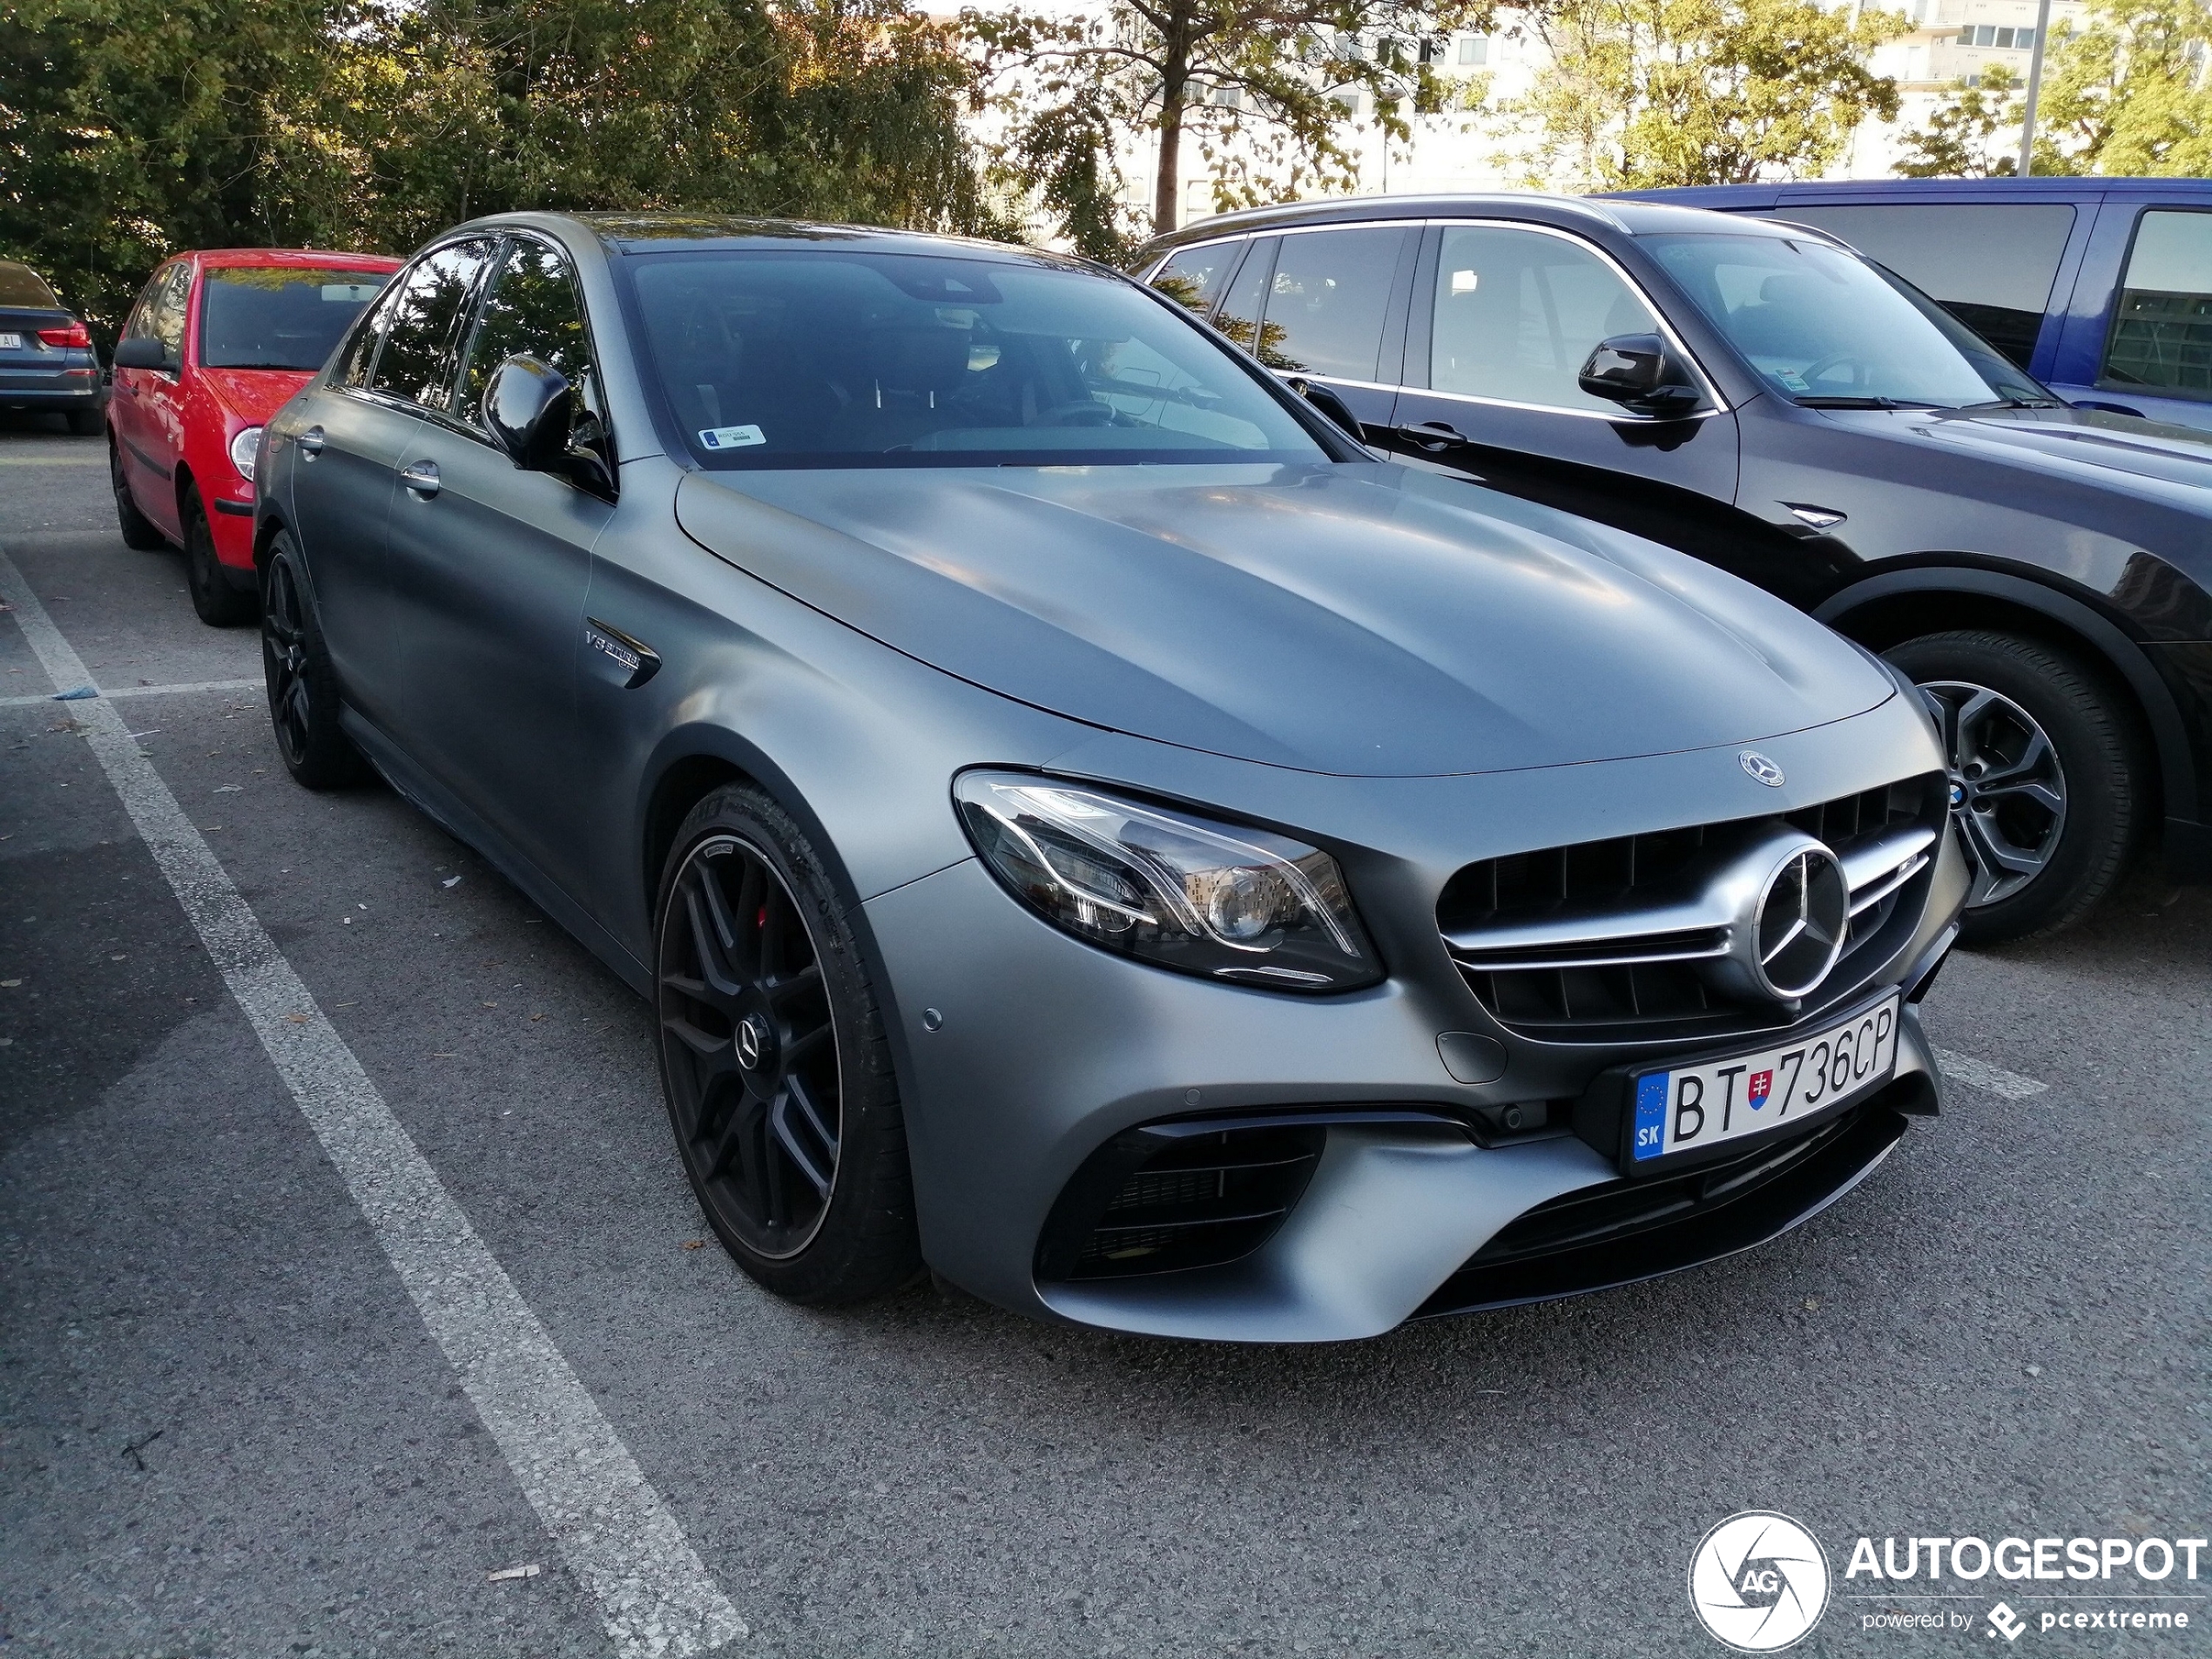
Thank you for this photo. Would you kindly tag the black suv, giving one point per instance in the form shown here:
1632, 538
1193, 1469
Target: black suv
1757, 394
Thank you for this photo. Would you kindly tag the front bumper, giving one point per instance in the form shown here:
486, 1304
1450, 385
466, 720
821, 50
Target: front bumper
1025, 1051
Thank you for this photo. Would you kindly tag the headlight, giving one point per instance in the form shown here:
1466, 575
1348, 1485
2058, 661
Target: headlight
1216, 900
242, 449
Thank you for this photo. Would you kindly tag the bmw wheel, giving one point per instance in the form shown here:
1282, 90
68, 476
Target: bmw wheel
773, 1060
303, 687
2045, 774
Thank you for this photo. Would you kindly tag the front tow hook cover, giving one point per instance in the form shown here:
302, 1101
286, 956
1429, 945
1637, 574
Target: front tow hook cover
1472, 1059
637, 661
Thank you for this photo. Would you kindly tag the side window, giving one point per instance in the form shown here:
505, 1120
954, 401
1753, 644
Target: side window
531, 311
2162, 330
1328, 301
1989, 265
139, 324
1517, 313
359, 353
1240, 309
422, 337
1195, 275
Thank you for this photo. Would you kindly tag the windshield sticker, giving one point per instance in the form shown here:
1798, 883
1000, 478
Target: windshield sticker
354, 294
1791, 378
730, 437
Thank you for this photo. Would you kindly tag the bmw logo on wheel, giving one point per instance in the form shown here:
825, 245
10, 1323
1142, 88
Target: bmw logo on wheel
1761, 768
1758, 1582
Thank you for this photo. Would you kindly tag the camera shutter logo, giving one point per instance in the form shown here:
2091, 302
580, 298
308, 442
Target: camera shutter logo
1758, 1582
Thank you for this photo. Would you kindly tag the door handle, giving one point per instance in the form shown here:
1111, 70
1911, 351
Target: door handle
310, 442
1434, 435
422, 477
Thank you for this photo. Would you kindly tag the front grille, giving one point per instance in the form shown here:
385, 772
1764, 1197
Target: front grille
1173, 1197
1618, 940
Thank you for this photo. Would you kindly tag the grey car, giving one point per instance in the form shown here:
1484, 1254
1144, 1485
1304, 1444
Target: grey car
1084, 823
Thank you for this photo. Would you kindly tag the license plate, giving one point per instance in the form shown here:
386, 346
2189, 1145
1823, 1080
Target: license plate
1696, 1106
10, 342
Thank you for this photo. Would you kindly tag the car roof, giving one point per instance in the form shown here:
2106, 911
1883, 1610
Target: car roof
1837, 192
667, 232
1627, 218
232, 258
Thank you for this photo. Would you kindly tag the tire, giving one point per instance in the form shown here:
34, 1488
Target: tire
2048, 773
303, 688
773, 1061
214, 601
138, 531
87, 423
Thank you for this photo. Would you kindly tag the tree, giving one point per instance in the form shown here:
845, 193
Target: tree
129, 130
1956, 144
1265, 90
2127, 95
1643, 93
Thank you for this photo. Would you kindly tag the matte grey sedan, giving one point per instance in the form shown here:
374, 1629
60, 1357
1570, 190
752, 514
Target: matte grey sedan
1085, 824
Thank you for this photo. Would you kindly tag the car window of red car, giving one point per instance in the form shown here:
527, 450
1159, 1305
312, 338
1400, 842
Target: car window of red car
275, 316
422, 340
21, 286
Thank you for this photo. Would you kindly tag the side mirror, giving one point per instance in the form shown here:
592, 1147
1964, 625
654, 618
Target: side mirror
143, 350
1325, 400
526, 406
1633, 371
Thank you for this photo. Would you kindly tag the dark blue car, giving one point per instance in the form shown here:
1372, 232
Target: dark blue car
2101, 288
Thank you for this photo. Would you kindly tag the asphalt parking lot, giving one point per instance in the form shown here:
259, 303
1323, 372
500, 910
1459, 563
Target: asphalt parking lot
226, 1429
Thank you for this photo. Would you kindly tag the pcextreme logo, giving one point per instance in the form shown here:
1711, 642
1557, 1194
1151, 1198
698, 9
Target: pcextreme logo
1758, 1582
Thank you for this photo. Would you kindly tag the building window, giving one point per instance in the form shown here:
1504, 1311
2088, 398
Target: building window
1474, 50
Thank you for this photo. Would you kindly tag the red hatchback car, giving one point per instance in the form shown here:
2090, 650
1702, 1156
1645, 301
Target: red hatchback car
216, 344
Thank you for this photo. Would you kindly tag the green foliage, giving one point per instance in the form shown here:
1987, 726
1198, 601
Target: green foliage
127, 131
2127, 95
1643, 93
1956, 142
1262, 91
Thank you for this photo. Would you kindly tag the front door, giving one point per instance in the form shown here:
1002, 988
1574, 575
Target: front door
1503, 317
148, 424
490, 564
357, 429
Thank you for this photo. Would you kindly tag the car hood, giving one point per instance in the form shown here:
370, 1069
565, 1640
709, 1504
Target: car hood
1354, 619
254, 395
2100, 449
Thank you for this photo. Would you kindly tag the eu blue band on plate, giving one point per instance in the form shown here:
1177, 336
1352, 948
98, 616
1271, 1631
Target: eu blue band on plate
1651, 1113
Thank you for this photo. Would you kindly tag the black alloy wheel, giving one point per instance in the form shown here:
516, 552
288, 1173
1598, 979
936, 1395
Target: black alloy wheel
2045, 768
303, 688
140, 532
776, 1073
213, 599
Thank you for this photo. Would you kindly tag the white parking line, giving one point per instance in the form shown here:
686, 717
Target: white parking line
1979, 1074
654, 1593
137, 691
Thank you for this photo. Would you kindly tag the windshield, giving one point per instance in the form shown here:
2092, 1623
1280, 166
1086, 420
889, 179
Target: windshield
1829, 329
833, 358
271, 316
21, 286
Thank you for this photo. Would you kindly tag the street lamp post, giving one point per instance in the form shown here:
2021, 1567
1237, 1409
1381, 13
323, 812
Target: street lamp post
2034, 86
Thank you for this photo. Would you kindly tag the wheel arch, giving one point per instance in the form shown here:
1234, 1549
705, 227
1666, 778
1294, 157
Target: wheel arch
1898, 605
187, 489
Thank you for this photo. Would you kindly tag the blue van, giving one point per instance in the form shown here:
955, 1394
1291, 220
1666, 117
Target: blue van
2101, 288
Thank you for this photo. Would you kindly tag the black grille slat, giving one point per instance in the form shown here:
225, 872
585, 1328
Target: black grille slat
1203, 1200
1670, 999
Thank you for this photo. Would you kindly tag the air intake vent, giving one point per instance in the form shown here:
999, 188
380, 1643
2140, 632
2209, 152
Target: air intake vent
1176, 1196
1625, 937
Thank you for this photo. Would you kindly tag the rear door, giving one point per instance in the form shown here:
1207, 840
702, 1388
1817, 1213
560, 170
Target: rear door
490, 564
356, 428
1332, 309
2150, 351
1503, 317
